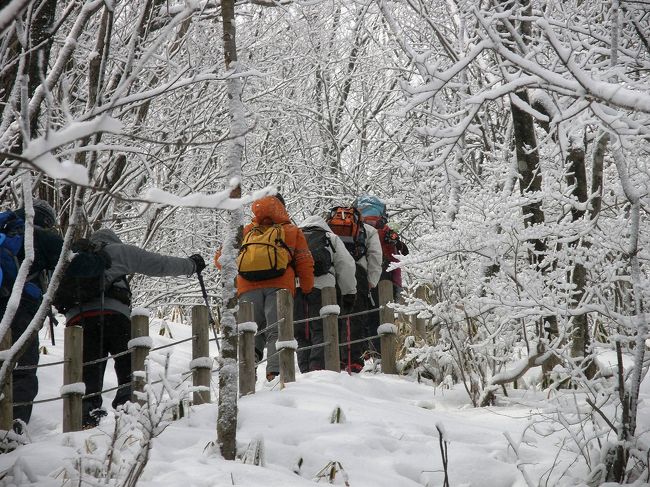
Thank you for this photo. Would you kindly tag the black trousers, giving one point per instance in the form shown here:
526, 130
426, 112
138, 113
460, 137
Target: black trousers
372, 323
25, 382
356, 327
310, 333
104, 335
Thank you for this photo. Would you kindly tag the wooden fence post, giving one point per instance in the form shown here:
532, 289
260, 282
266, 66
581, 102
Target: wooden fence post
331, 331
139, 330
72, 377
6, 395
286, 337
245, 318
201, 364
387, 329
420, 323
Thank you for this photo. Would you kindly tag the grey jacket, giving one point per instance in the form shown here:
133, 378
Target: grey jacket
342, 270
129, 259
371, 262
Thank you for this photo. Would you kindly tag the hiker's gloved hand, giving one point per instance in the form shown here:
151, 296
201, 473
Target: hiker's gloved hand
199, 263
347, 300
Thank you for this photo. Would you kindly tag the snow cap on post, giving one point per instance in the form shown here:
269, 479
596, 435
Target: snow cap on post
140, 312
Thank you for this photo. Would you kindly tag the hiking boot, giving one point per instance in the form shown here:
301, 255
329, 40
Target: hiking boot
270, 376
93, 419
18, 426
355, 368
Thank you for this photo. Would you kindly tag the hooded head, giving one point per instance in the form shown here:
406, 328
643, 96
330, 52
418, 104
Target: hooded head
44, 215
105, 236
315, 221
370, 206
269, 210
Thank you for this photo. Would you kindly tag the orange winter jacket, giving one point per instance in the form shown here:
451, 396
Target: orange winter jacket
270, 211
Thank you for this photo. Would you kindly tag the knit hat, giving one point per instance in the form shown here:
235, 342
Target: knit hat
44, 215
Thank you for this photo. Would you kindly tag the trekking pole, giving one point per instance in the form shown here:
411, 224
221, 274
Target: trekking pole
53, 322
210, 318
349, 367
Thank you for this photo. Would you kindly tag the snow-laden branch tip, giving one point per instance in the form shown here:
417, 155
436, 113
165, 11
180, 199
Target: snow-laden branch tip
220, 200
39, 151
10, 12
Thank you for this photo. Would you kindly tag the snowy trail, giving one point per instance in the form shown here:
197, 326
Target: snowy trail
388, 436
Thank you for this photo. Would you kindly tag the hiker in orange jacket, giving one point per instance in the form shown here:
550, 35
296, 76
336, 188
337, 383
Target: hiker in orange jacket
267, 211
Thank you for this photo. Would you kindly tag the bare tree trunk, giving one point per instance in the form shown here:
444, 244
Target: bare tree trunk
39, 38
229, 370
531, 182
597, 174
580, 339
629, 395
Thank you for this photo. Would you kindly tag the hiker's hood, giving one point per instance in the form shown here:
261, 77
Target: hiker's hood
106, 236
315, 221
370, 206
269, 210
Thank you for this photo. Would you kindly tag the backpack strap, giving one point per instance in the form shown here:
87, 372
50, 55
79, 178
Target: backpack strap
284, 244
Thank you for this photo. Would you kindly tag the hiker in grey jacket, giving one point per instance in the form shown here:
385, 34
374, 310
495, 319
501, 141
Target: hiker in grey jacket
340, 274
107, 322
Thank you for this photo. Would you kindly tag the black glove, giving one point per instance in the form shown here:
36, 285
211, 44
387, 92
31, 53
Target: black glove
199, 263
347, 301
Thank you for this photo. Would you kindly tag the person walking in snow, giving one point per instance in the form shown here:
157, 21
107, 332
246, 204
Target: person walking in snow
374, 212
333, 266
362, 242
368, 273
47, 249
273, 253
106, 321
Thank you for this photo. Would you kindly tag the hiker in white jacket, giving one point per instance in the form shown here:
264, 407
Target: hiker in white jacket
372, 260
368, 272
333, 266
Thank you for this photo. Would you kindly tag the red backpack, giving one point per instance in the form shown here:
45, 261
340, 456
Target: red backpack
346, 223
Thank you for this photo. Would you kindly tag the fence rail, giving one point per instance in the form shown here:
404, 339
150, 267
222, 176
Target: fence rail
201, 365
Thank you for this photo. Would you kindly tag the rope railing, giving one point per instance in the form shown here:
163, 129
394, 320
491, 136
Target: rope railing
202, 365
108, 357
155, 349
340, 317
359, 340
38, 401
311, 347
38, 366
188, 374
130, 350
111, 389
277, 352
92, 362
270, 327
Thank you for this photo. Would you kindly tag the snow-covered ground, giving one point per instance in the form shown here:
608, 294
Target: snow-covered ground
389, 434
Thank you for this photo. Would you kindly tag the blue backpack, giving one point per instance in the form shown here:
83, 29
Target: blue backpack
12, 238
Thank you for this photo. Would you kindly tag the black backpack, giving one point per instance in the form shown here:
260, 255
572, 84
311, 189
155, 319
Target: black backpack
84, 279
318, 244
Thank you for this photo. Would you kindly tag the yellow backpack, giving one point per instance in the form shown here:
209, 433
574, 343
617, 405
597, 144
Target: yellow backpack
263, 253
